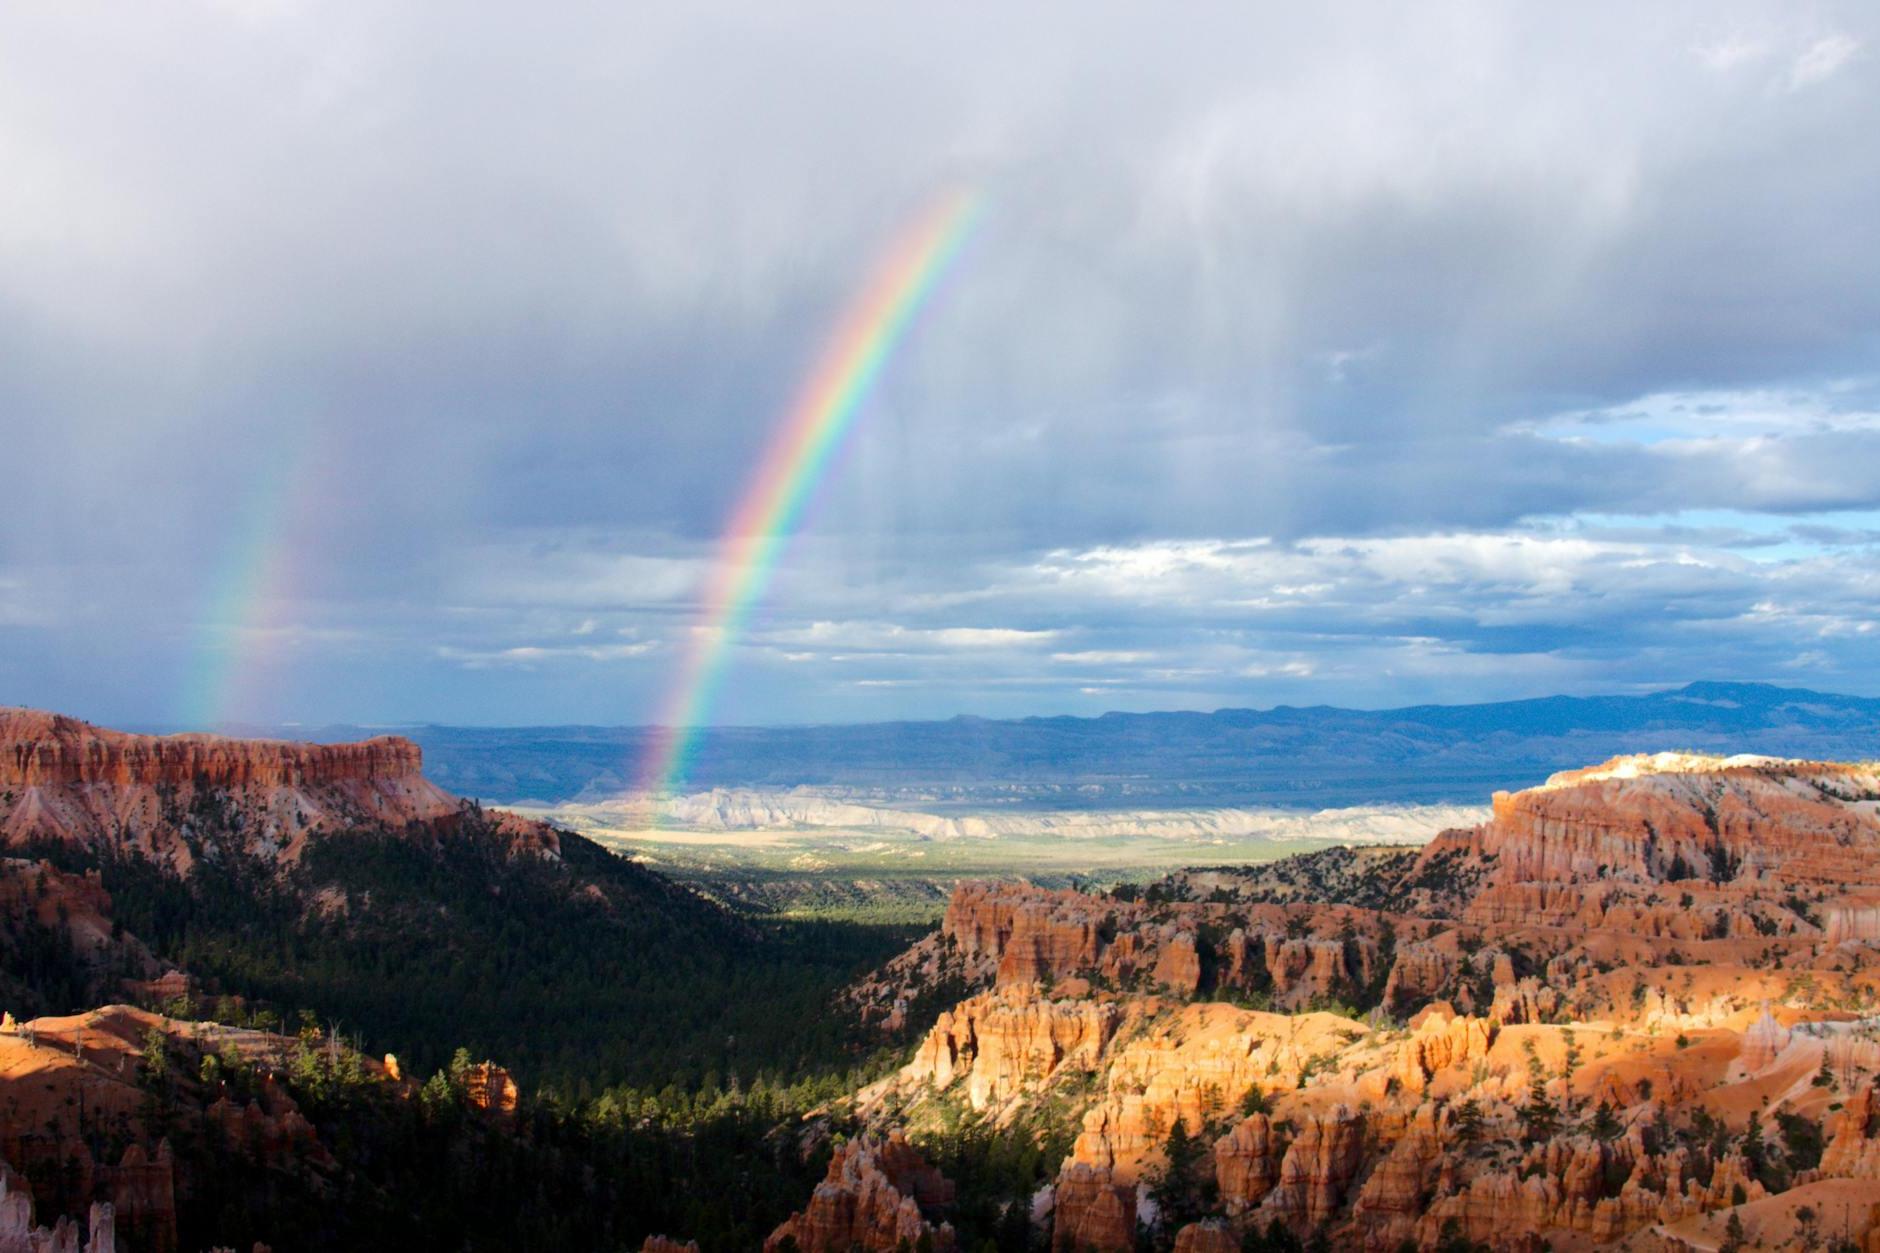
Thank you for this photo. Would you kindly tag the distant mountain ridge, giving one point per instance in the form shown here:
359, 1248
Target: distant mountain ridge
1289, 755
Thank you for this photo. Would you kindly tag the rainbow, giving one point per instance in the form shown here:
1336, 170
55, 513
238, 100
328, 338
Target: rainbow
796, 461
240, 622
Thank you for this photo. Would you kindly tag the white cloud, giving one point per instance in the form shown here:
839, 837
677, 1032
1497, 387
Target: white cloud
528, 655
1822, 60
1287, 669
868, 636
1259, 576
990, 637
1731, 51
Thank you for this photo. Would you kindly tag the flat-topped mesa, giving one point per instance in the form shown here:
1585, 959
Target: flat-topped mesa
50, 750
163, 796
1656, 818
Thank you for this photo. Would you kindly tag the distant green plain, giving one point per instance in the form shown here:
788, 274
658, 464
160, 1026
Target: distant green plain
876, 877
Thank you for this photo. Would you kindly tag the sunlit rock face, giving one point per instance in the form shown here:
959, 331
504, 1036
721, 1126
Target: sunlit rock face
1621, 1009
1318, 1168
1671, 817
997, 1045
168, 796
488, 1086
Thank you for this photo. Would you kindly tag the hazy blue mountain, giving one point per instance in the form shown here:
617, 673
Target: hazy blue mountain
1284, 756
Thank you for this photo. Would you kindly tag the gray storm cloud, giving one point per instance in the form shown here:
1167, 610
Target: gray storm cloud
1442, 352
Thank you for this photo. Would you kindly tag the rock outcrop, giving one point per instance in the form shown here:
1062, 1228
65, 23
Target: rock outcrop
1853, 1148
1318, 1167
1763, 1042
1005, 935
999, 1044
488, 1087
1671, 818
872, 1201
1246, 1164
1209, 1236
1092, 1211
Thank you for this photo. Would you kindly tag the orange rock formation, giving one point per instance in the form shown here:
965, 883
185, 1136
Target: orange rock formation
1613, 1013
488, 1087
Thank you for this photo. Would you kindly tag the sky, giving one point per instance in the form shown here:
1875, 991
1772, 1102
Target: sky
403, 362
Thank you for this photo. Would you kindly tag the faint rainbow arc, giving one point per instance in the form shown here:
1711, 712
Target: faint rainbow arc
795, 463
252, 580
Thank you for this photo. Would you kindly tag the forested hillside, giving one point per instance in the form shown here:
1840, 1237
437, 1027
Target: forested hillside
576, 973
292, 914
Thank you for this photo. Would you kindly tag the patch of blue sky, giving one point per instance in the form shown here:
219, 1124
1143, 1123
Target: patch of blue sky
1762, 537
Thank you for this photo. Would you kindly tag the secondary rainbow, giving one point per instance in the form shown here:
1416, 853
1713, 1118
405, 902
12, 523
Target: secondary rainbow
238, 626
796, 461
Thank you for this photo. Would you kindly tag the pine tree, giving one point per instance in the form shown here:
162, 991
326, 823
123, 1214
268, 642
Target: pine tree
437, 1093
1539, 1116
1468, 1121
1176, 1190
1752, 1146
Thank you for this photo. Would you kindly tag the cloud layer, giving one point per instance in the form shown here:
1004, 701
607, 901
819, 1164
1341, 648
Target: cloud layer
404, 363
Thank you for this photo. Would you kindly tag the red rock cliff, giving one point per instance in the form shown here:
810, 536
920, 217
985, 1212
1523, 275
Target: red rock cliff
163, 795
40, 750
1652, 818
